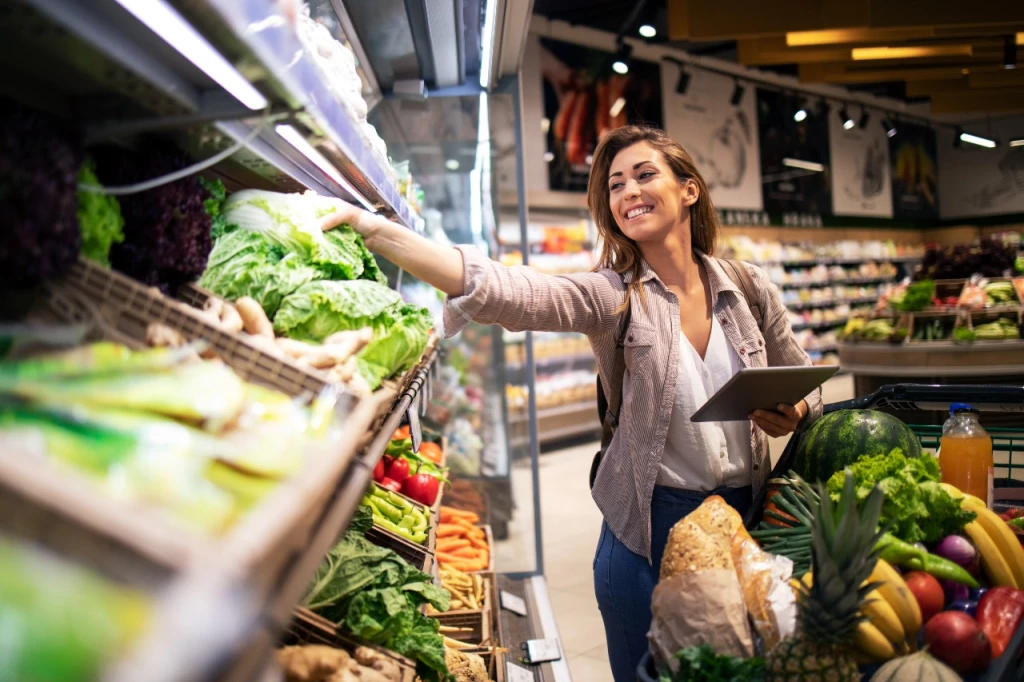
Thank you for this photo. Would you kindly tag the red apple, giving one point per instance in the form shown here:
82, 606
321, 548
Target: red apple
957, 640
928, 592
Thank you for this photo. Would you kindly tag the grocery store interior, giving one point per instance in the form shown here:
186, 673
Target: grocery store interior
227, 436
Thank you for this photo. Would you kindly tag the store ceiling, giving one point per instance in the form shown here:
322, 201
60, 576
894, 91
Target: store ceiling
953, 55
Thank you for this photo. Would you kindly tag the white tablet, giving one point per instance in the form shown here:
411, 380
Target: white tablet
761, 388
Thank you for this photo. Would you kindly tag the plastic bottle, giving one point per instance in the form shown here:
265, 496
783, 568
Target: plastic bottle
965, 454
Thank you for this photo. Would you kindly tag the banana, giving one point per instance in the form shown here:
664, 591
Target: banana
992, 561
873, 643
882, 616
953, 491
896, 592
1003, 538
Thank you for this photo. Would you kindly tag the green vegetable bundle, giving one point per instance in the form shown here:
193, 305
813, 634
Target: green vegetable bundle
374, 594
394, 513
702, 664
1000, 292
916, 506
917, 296
1000, 330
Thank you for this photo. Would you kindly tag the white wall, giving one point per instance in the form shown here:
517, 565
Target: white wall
975, 181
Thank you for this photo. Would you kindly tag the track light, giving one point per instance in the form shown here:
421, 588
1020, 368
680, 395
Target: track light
864, 118
621, 63
812, 166
648, 31
1019, 142
889, 126
737, 94
978, 140
845, 117
684, 81
1009, 52
800, 115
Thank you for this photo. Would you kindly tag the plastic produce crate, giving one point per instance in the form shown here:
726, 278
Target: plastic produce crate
1007, 450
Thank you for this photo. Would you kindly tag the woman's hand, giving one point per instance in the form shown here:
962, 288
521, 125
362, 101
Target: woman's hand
781, 423
365, 223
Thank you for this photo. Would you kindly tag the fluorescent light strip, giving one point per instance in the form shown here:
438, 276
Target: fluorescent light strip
487, 49
296, 140
617, 106
980, 141
163, 20
867, 53
1017, 143
805, 165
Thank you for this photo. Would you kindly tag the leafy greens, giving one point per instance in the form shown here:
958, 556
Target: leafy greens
99, 218
376, 595
702, 664
917, 506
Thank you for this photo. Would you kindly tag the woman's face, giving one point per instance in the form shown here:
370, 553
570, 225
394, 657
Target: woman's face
645, 196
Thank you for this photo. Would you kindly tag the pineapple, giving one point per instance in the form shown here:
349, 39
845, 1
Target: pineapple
843, 556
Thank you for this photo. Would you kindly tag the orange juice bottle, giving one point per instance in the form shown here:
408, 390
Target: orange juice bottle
965, 454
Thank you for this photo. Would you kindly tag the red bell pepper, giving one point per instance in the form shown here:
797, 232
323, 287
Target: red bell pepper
399, 469
999, 613
378, 470
422, 488
390, 484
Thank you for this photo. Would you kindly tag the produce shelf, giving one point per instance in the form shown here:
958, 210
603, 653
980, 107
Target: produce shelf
831, 304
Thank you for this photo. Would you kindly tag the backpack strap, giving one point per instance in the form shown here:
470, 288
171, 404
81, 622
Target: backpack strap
740, 276
614, 395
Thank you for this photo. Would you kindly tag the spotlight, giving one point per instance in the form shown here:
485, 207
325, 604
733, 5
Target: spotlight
648, 31
889, 126
844, 116
452, 164
864, 118
621, 63
1019, 142
684, 81
800, 115
737, 94
1009, 52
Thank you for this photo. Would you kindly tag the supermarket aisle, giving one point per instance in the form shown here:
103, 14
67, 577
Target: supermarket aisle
571, 523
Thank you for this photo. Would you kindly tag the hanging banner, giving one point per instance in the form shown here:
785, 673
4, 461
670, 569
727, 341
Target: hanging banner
915, 179
719, 135
794, 156
860, 168
978, 181
583, 99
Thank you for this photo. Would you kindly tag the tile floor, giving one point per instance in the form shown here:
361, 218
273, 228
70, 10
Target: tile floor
571, 523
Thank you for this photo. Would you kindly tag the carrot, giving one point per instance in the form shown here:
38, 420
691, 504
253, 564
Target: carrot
466, 552
448, 544
459, 513
445, 530
479, 543
466, 566
446, 558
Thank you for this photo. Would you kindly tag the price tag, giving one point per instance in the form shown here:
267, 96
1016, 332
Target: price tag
542, 650
413, 415
515, 673
511, 602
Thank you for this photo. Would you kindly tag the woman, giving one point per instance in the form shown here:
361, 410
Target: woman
690, 330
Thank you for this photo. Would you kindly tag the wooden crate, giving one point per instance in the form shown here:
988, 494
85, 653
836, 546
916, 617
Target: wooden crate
478, 621
417, 556
309, 628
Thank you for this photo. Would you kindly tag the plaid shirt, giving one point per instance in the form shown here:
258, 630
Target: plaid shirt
521, 298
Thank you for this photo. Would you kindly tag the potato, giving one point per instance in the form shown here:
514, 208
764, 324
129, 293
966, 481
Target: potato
230, 320
254, 320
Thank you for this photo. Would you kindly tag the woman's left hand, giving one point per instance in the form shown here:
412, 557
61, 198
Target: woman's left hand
781, 423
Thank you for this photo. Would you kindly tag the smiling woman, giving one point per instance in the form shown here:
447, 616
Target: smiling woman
669, 324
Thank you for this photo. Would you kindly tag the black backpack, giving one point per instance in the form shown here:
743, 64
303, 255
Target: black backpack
608, 412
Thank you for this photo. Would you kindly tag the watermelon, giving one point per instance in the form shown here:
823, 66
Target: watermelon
840, 438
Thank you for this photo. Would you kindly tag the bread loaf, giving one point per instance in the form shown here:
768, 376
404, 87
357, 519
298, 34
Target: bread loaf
702, 540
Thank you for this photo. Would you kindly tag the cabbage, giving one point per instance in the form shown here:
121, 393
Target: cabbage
397, 348
322, 308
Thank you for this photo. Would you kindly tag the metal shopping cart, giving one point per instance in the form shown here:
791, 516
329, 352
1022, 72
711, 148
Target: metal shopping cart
1008, 453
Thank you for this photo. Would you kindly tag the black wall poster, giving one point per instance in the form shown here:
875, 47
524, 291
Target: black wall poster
795, 172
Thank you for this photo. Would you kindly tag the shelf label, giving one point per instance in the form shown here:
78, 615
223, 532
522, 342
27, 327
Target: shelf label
413, 414
511, 602
515, 673
543, 650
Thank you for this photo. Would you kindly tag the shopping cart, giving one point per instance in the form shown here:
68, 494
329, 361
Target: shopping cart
1007, 450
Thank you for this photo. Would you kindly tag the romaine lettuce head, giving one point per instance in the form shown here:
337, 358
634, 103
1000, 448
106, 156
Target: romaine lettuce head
321, 308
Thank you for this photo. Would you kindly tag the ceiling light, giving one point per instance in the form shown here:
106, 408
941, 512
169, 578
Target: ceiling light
621, 63
1009, 53
978, 140
617, 107
487, 45
804, 165
965, 72
871, 53
737, 94
864, 118
549, 156
684, 81
889, 126
163, 20
648, 31
452, 164
295, 139
1020, 38
845, 117
545, 125
800, 115
1019, 142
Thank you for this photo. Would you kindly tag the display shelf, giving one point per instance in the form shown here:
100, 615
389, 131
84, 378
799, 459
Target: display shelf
820, 325
847, 281
559, 411
553, 361
99, 49
831, 304
806, 263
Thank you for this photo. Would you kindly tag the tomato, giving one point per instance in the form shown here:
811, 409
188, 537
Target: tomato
431, 451
378, 470
928, 593
403, 433
957, 640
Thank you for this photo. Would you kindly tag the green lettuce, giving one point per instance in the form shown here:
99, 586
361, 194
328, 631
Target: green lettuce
915, 504
99, 219
396, 348
321, 308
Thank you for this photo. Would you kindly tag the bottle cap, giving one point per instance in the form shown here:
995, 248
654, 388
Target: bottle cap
966, 409
957, 407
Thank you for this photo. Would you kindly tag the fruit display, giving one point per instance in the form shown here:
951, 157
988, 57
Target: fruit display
414, 474
895, 573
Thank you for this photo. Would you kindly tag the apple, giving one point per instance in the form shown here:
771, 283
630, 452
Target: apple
957, 640
927, 591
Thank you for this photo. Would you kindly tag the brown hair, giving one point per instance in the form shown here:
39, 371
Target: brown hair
619, 252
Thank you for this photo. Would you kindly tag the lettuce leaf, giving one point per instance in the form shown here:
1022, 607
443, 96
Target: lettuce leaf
322, 308
917, 506
99, 218
397, 348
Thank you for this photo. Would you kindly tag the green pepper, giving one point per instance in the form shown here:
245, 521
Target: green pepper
387, 510
399, 501
419, 519
407, 522
418, 537
394, 528
900, 553
1017, 522
897, 552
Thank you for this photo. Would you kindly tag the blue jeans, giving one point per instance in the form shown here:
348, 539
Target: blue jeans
624, 581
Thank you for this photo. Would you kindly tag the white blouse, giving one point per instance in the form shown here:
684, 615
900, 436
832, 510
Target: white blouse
705, 455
